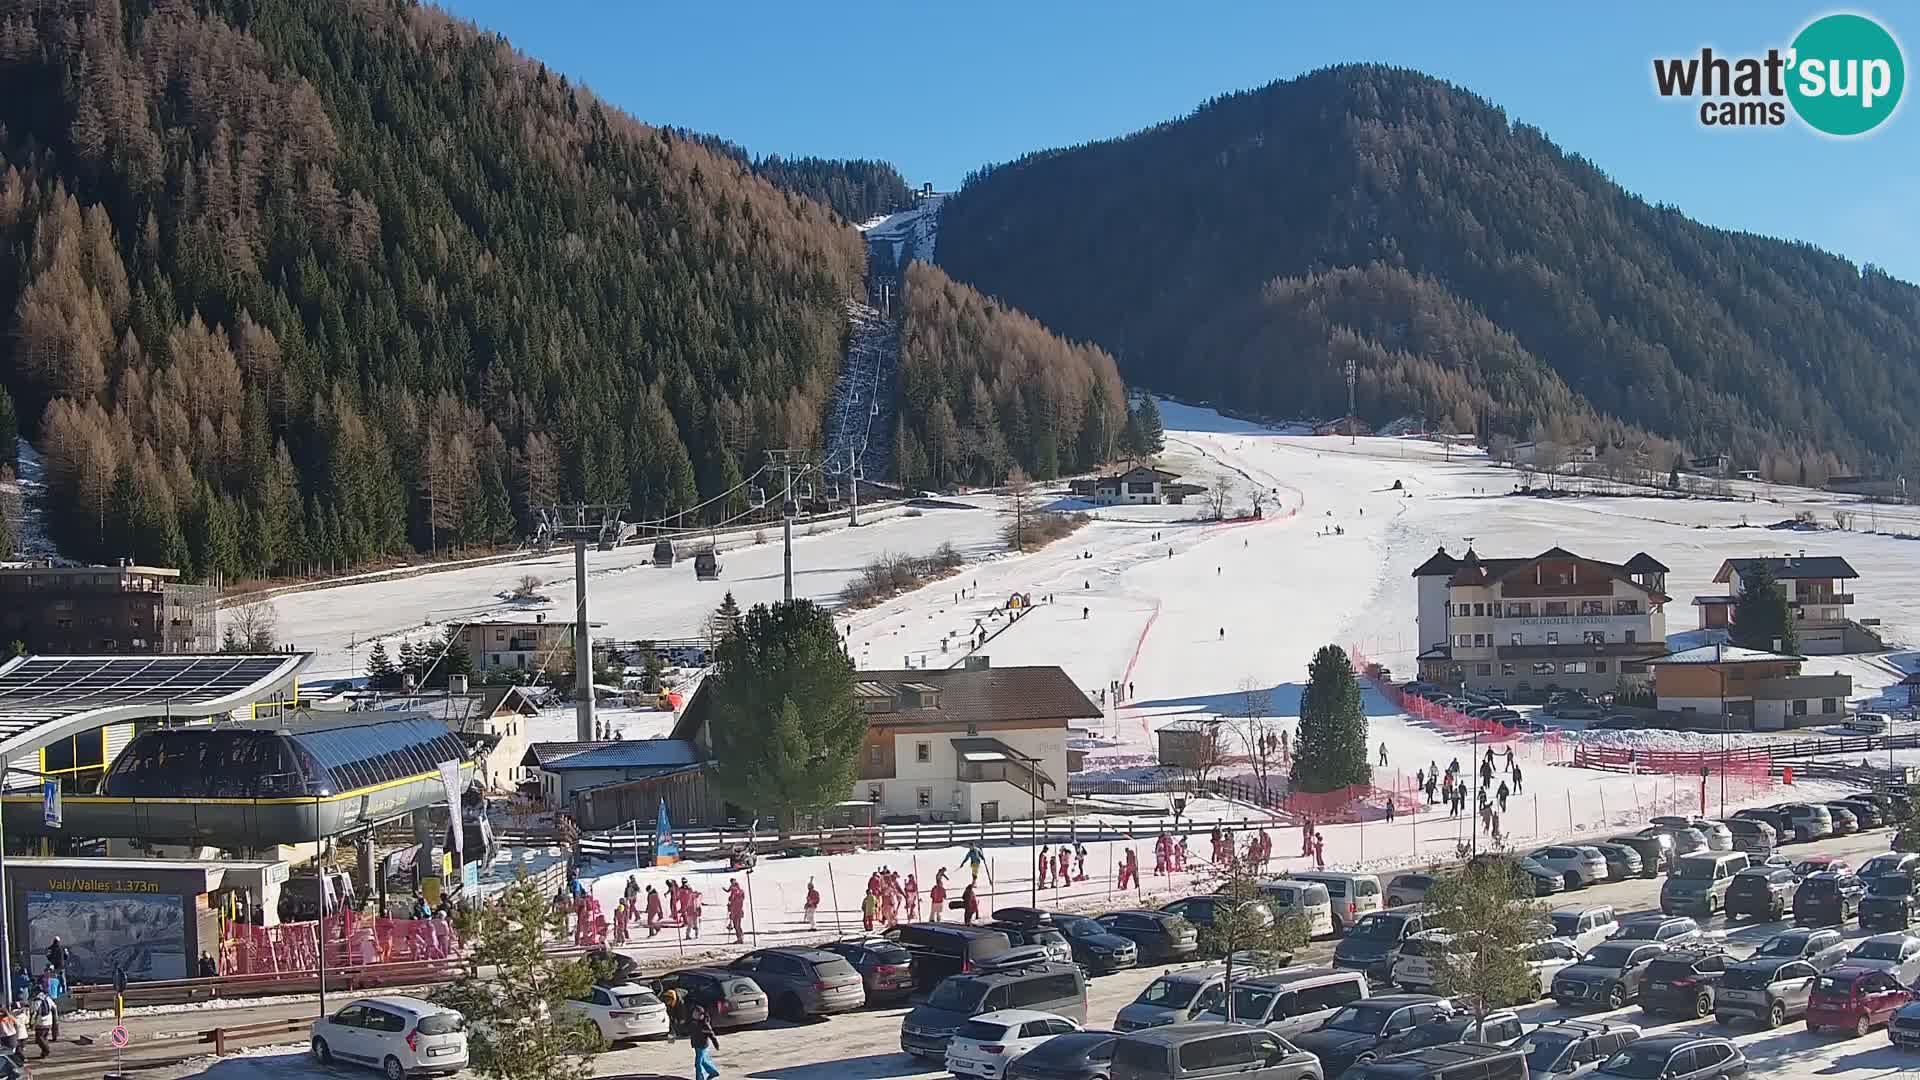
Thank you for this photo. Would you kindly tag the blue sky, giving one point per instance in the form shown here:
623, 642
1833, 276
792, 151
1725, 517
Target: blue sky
939, 89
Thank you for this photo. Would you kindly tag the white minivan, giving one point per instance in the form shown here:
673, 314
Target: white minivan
1870, 723
400, 1036
1307, 899
1354, 896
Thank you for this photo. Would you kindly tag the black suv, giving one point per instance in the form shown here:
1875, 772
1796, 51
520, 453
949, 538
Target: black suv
1762, 892
1888, 904
1682, 982
1828, 898
940, 950
1095, 947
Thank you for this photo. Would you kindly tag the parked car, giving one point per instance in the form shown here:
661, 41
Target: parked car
1497, 1028
623, 1012
1567, 1048
1203, 910
1763, 893
1578, 710
1293, 1002
1854, 999
1904, 1029
1355, 1033
1413, 966
1828, 899
1546, 881
1307, 899
1896, 954
801, 982
1676, 1057
1864, 812
1774, 817
1373, 944
1623, 862
401, 1036
1814, 864
1888, 904
1682, 982
1821, 948
1203, 1051
1352, 895
1610, 975
1768, 991
1716, 833
1656, 851
984, 1046
1403, 889
1811, 821
1578, 866
1659, 929
1176, 997
1046, 938
730, 998
1893, 862
885, 968
1755, 837
1584, 927
1844, 823
1449, 1061
1686, 839
1078, 1055
1045, 987
941, 950
1158, 936
1547, 959
1699, 882
1095, 946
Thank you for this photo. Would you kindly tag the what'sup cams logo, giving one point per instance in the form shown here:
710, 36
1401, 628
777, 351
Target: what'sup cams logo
1842, 76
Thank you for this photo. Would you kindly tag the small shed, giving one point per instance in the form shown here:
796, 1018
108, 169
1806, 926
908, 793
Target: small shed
1192, 744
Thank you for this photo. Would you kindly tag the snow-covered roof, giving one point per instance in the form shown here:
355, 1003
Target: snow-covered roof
1721, 654
631, 754
1792, 566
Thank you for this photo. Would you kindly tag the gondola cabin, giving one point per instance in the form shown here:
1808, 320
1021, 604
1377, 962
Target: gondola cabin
663, 553
706, 566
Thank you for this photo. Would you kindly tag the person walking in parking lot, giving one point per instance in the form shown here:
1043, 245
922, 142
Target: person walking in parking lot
700, 1034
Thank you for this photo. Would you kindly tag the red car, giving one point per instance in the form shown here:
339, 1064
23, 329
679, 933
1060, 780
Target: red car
1854, 999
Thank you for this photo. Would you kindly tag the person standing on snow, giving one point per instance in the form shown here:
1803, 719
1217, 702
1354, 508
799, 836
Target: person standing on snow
1383, 752
737, 911
1319, 851
812, 907
653, 911
937, 896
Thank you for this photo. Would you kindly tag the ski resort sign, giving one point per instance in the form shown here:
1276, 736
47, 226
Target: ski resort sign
1842, 75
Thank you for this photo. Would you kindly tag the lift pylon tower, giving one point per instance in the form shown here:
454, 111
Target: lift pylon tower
598, 524
791, 463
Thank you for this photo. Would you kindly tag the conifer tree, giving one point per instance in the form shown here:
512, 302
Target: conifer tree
1331, 748
1151, 436
381, 674
1762, 618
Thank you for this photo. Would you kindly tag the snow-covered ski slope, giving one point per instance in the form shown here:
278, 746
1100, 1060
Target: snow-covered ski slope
1278, 588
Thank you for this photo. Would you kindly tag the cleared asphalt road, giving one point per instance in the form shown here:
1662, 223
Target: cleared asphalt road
866, 1044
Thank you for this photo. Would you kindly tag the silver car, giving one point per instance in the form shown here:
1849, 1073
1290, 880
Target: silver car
1896, 954
1579, 865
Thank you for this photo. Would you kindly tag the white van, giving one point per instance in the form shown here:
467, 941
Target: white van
1305, 898
1870, 723
1353, 895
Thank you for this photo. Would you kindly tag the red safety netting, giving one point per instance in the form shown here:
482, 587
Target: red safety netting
1422, 709
352, 939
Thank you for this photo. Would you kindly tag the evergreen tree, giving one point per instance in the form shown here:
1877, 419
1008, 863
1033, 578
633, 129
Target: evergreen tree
1673, 476
779, 708
724, 620
445, 660
1151, 435
1331, 748
1762, 618
9, 431
1489, 909
515, 994
381, 674
652, 666
410, 665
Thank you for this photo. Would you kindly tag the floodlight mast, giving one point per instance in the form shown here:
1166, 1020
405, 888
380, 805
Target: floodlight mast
583, 523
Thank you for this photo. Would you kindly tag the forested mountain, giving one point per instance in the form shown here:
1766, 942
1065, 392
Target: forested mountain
982, 387
1476, 272
854, 188
288, 286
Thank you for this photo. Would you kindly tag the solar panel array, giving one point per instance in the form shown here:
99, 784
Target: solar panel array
43, 688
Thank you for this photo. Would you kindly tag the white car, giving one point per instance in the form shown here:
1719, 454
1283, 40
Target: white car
985, 1045
400, 1036
623, 1012
1579, 866
1547, 959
